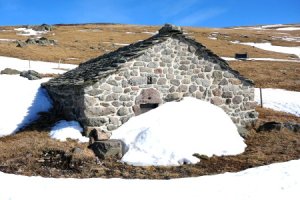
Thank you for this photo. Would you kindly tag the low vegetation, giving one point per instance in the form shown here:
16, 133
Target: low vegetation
32, 152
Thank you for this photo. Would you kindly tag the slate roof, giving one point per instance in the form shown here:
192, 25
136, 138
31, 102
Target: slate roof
92, 70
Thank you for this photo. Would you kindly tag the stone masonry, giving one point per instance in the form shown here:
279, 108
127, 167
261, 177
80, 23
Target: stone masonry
105, 92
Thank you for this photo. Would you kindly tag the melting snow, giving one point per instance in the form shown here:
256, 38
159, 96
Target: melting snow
67, 129
160, 136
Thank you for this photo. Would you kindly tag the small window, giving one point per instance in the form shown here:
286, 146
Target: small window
147, 107
149, 79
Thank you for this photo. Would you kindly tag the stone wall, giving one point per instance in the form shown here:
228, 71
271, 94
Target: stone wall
169, 70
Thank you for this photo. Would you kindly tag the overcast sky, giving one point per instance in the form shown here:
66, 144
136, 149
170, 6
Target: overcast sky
203, 13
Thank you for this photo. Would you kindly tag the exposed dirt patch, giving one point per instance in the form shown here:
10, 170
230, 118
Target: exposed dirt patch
34, 153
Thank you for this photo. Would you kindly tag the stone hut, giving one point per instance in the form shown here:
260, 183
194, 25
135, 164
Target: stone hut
104, 92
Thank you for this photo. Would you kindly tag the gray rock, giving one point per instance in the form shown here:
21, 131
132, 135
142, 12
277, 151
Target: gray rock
138, 64
237, 99
228, 75
31, 75
123, 111
21, 44
134, 81
97, 121
100, 111
175, 82
152, 65
223, 82
10, 71
161, 81
108, 149
217, 101
112, 82
208, 68
116, 89
173, 96
217, 75
192, 88
227, 95
30, 41
182, 88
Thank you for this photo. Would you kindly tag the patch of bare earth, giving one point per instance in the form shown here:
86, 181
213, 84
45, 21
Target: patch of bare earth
32, 152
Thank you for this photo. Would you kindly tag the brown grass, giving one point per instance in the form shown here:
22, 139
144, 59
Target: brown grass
34, 153
265, 74
87, 41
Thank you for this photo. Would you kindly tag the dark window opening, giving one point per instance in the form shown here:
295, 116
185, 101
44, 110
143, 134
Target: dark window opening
149, 79
149, 106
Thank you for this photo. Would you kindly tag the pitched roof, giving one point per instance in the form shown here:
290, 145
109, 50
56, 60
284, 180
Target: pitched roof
92, 70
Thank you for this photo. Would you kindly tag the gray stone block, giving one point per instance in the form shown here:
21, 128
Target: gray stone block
108, 149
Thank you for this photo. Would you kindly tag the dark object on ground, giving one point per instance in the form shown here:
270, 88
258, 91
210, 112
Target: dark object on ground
241, 56
30, 41
108, 149
21, 44
277, 126
44, 41
43, 27
31, 75
10, 71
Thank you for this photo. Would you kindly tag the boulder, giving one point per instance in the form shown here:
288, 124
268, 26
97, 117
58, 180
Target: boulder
43, 27
21, 44
10, 71
31, 75
30, 41
270, 126
108, 149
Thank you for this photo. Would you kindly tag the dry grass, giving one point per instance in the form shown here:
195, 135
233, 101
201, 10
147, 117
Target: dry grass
32, 152
87, 41
266, 74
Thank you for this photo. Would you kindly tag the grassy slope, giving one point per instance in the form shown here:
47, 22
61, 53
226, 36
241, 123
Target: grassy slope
82, 42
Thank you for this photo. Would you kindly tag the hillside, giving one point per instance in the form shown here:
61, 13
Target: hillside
78, 43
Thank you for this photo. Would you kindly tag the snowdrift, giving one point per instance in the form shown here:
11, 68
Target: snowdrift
173, 132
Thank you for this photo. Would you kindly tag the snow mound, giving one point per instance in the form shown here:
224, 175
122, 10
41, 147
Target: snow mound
67, 129
21, 101
173, 132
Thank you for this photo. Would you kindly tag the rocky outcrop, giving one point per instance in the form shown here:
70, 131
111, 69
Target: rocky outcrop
278, 126
108, 149
10, 71
31, 75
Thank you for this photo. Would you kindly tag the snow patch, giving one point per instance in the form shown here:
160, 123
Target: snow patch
39, 66
173, 132
29, 32
269, 47
280, 100
262, 59
288, 29
67, 129
151, 33
21, 101
8, 40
